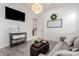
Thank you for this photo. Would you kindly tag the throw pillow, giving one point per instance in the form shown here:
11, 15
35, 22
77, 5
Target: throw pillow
70, 39
76, 43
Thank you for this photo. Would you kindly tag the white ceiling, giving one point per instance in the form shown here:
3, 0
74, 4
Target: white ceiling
47, 6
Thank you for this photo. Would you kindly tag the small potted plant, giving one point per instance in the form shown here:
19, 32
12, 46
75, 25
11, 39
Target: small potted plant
35, 39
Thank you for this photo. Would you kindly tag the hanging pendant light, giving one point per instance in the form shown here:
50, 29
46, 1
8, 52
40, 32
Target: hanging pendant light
37, 8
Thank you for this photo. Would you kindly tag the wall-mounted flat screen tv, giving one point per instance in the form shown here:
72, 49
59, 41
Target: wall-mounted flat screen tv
13, 14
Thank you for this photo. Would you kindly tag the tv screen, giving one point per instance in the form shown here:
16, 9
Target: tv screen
13, 14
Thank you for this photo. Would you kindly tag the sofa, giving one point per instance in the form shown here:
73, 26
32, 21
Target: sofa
68, 47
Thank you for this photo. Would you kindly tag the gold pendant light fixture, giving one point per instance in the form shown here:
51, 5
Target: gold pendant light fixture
37, 8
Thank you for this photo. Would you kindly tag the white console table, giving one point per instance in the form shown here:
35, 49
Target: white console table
17, 38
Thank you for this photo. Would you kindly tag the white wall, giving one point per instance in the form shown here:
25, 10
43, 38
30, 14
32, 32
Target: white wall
77, 24
6, 24
68, 14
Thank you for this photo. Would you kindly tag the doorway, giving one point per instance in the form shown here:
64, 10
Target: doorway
34, 27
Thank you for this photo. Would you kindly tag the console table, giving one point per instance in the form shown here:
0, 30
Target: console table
17, 38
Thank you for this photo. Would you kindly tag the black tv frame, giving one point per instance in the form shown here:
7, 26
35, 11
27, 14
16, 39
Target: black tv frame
16, 15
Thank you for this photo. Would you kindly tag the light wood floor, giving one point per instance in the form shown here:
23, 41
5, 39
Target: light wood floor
21, 50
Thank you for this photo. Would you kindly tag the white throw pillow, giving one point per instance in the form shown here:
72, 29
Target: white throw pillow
76, 43
70, 38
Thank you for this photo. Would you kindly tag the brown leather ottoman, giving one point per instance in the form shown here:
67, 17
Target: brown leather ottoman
36, 49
